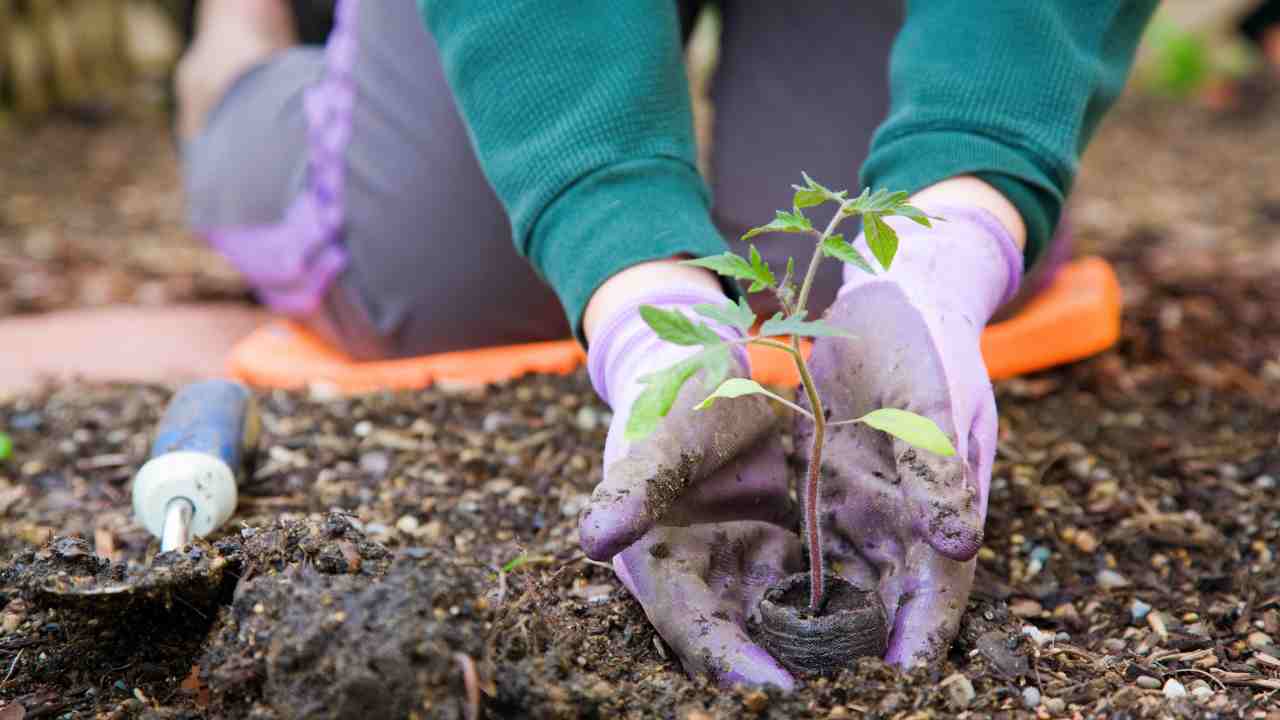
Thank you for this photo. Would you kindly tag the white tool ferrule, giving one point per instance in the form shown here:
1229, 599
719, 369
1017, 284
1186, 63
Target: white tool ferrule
205, 480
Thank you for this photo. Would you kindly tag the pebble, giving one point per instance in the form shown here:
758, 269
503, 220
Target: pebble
960, 690
1115, 646
1138, 610
757, 702
1148, 682
1265, 482
588, 418
1031, 697
1174, 690
362, 428
1062, 636
1259, 640
26, 421
407, 524
1086, 542
1111, 580
375, 463
1025, 607
1037, 636
1055, 706
1201, 691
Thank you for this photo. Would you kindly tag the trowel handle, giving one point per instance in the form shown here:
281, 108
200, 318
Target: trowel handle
200, 448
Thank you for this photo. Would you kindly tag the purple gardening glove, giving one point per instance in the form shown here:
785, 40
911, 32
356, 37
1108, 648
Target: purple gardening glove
693, 514
914, 517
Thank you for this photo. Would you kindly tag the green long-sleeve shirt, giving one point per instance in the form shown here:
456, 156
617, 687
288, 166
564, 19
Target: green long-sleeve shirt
579, 113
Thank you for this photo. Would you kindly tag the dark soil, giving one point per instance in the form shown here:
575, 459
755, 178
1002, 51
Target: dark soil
1131, 541
850, 623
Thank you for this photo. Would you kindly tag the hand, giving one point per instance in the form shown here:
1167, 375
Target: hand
913, 517
684, 459
699, 566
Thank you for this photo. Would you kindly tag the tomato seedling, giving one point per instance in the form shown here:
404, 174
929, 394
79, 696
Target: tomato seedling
783, 332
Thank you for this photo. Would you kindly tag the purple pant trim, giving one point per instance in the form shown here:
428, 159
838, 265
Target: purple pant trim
292, 263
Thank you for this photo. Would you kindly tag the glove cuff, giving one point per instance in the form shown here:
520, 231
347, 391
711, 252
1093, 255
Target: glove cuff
626, 347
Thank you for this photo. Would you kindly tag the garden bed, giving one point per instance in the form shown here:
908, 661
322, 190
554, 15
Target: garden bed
417, 552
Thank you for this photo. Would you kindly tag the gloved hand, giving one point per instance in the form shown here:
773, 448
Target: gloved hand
913, 516
693, 516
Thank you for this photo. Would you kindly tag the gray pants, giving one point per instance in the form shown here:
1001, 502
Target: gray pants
427, 261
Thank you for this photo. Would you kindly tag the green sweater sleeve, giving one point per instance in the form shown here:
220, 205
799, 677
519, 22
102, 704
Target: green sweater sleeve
1008, 90
579, 113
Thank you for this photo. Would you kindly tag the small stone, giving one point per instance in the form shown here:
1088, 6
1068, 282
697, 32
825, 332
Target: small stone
697, 715
838, 711
1031, 697
1055, 706
1111, 580
498, 486
1138, 610
757, 702
1062, 636
1025, 608
960, 690
1265, 482
26, 421
1259, 640
1086, 542
1201, 691
407, 524
362, 428
1037, 636
375, 462
1174, 690
1115, 646
1148, 682
587, 419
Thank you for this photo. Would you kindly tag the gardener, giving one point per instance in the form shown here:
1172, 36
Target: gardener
353, 188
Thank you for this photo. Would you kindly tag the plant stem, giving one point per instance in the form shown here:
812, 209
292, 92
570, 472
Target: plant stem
817, 586
813, 526
803, 300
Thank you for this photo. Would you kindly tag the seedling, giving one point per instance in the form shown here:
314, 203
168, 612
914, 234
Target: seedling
6, 446
783, 332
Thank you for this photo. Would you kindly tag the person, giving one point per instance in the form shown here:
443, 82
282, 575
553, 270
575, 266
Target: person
467, 173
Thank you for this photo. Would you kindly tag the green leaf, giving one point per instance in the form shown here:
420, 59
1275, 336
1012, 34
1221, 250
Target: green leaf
880, 201
674, 327
6, 446
805, 197
813, 193
515, 562
836, 247
913, 429
797, 325
735, 266
739, 316
732, 388
654, 402
788, 222
881, 238
726, 264
763, 273
916, 214
663, 387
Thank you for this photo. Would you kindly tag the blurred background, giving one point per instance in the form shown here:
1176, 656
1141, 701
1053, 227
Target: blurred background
90, 196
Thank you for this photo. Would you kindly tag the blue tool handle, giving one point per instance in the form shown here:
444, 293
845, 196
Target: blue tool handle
214, 417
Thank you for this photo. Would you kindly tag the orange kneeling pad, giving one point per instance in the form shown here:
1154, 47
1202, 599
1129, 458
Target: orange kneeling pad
1076, 316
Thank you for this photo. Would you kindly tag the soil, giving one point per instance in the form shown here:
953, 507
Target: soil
416, 553
850, 623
